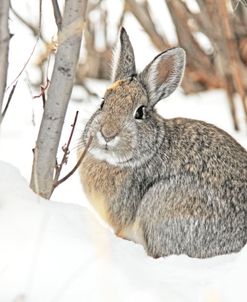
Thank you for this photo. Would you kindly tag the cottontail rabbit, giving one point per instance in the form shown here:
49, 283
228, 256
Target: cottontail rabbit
177, 186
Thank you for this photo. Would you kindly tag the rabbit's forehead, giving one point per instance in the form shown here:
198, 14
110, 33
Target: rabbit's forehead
125, 93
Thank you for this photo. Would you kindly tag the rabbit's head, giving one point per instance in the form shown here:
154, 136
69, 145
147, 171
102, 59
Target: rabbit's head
126, 129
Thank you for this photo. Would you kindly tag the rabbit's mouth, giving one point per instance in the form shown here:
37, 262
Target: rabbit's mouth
109, 154
105, 154
107, 144
113, 151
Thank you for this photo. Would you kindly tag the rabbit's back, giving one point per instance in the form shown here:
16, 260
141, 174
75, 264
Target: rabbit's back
198, 202
202, 150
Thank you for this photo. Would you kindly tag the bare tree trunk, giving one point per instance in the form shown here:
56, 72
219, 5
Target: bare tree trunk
4, 48
59, 92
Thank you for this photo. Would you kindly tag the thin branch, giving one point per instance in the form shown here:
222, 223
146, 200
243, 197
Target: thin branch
235, 3
77, 164
88, 90
40, 15
32, 27
244, 2
35, 45
28, 82
8, 101
25, 65
65, 150
230, 96
35, 30
233, 55
138, 10
43, 88
122, 17
93, 6
4, 48
57, 14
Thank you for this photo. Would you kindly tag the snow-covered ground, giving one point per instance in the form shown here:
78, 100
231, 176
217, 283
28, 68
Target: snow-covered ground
60, 250
53, 251
50, 251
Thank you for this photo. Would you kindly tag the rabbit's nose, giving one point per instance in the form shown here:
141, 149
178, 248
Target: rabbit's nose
108, 134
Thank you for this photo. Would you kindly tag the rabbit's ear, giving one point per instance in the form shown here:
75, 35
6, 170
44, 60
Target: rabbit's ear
163, 75
124, 59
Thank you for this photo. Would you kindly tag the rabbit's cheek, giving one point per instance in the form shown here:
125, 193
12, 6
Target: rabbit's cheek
114, 143
100, 140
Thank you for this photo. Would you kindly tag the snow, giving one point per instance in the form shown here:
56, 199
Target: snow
60, 250
53, 251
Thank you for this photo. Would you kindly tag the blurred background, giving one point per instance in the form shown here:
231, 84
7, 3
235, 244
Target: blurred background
213, 33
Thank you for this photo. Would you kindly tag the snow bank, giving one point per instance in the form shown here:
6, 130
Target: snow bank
53, 251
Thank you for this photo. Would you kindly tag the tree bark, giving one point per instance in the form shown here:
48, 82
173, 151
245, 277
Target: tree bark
4, 48
59, 93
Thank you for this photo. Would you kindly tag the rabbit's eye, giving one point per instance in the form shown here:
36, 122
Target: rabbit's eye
102, 104
140, 113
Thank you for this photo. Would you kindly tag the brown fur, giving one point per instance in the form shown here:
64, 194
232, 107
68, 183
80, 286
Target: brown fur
132, 232
101, 181
176, 186
115, 85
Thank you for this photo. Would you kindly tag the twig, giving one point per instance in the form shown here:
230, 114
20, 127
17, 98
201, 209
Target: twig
43, 99
42, 92
28, 82
93, 6
65, 150
235, 3
43, 88
8, 101
57, 14
40, 15
57, 183
5, 37
138, 10
88, 90
35, 30
233, 56
230, 96
35, 45
122, 17
25, 65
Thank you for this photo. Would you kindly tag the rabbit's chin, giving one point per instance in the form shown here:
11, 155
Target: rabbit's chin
108, 156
